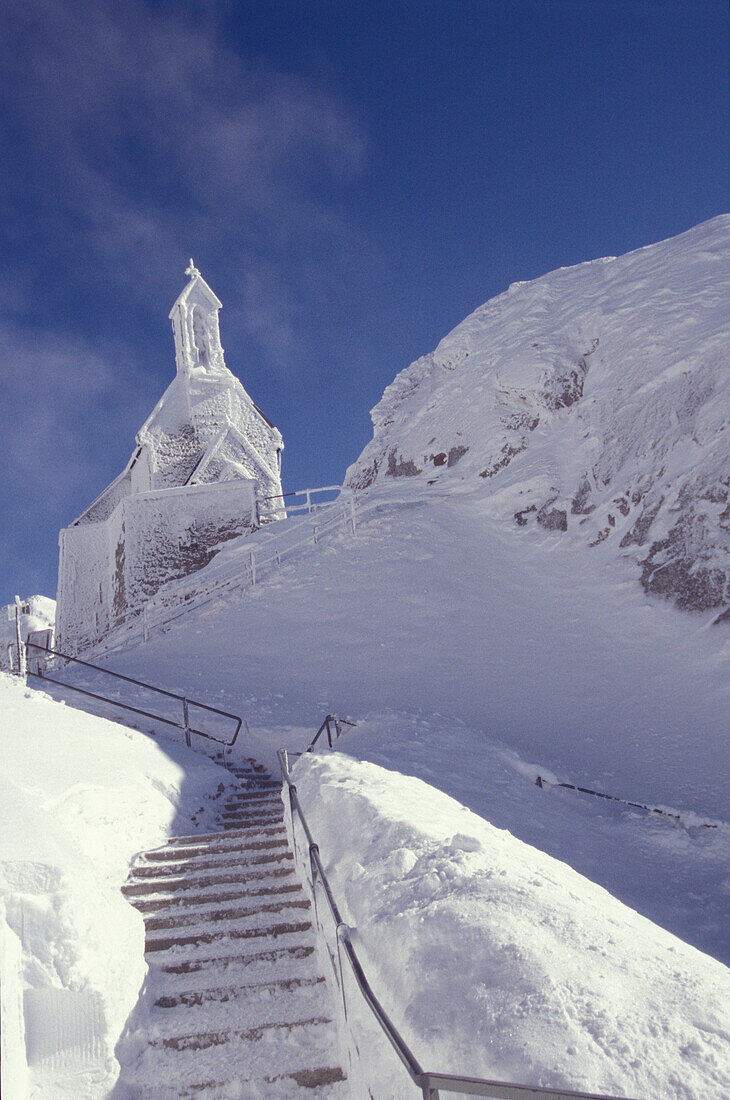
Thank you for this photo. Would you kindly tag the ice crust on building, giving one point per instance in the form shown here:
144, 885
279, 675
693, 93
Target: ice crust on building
202, 460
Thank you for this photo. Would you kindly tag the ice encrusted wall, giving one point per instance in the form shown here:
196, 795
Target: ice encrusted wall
107, 570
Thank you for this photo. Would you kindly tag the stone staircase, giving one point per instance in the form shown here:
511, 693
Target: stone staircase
234, 1005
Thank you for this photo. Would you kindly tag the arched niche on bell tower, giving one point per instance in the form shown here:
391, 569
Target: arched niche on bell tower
195, 327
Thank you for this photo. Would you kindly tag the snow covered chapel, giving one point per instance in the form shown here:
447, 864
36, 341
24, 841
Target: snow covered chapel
202, 459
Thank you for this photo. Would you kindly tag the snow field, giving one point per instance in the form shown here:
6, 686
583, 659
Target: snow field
499, 961
79, 796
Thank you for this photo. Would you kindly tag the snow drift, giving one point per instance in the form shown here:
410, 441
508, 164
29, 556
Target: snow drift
564, 986
79, 797
594, 401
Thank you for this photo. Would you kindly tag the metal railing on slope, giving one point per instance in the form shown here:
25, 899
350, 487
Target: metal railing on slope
185, 702
428, 1083
222, 577
308, 504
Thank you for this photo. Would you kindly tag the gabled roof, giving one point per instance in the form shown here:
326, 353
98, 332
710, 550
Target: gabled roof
197, 282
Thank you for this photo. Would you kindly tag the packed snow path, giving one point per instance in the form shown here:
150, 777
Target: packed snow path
233, 1004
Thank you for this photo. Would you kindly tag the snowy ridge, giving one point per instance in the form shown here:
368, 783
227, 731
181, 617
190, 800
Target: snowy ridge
592, 402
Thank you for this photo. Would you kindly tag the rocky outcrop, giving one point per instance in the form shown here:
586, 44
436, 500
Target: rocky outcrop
595, 403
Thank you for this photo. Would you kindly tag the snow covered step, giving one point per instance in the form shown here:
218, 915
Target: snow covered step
230, 824
268, 793
232, 971
309, 1084
226, 913
245, 818
233, 860
253, 811
204, 936
259, 808
189, 900
203, 1040
187, 841
218, 1060
257, 814
220, 844
276, 1007
187, 883
197, 994
250, 768
324, 1081
253, 962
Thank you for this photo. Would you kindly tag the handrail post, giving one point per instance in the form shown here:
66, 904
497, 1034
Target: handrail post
292, 794
186, 722
338, 933
313, 872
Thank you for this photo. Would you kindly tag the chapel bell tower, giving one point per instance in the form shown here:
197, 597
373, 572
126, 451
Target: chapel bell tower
194, 319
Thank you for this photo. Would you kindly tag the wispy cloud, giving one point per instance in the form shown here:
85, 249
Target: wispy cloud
141, 135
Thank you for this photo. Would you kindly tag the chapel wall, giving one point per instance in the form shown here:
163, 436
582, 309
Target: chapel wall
108, 570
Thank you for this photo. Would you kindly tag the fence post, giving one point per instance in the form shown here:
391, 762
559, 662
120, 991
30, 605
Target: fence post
22, 667
186, 722
309, 501
314, 531
252, 563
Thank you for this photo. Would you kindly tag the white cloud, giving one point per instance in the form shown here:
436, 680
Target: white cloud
144, 137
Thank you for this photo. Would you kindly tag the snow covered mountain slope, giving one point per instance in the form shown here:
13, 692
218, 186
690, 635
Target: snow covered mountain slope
593, 402
476, 637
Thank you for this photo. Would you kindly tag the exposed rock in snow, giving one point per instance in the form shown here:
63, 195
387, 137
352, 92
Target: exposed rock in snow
595, 401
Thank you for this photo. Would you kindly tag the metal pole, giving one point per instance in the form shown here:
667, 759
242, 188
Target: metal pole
186, 722
292, 792
22, 667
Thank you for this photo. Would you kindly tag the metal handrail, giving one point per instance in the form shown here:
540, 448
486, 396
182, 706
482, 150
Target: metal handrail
429, 1083
188, 593
326, 725
186, 702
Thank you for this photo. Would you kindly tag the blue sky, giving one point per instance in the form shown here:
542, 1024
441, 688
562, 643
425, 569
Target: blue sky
352, 179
